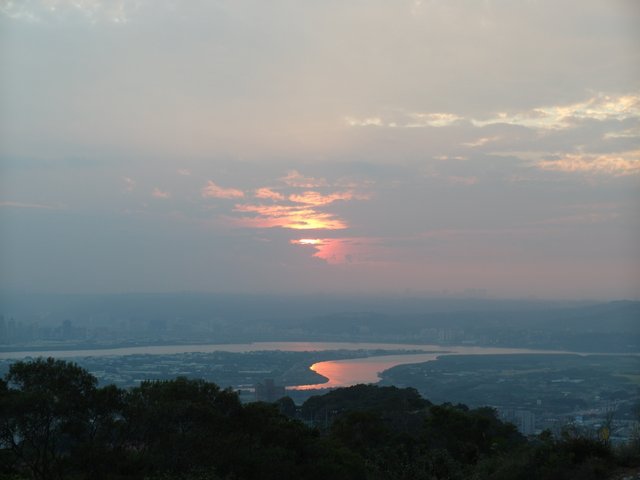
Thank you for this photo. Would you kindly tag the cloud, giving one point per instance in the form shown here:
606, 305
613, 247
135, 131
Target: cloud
293, 178
267, 193
432, 120
600, 107
157, 193
480, 141
406, 120
317, 199
386, 94
627, 133
364, 122
92, 11
288, 207
627, 163
296, 218
211, 190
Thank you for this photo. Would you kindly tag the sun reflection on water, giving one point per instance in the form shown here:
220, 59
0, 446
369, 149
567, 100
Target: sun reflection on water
345, 373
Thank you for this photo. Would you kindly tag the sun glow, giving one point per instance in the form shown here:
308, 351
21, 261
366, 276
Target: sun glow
286, 216
307, 241
336, 250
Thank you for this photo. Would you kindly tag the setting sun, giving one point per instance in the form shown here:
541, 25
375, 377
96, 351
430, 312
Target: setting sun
307, 241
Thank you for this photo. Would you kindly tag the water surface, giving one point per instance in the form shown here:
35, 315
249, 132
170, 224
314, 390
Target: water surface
345, 373
339, 373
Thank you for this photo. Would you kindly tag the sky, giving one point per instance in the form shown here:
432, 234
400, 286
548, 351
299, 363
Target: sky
435, 147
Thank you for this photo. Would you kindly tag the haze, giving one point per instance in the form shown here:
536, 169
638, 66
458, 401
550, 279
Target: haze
406, 147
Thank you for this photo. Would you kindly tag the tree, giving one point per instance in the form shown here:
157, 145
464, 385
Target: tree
287, 407
177, 423
468, 434
46, 411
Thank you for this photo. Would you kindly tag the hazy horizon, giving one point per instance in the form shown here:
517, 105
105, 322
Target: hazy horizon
462, 296
411, 148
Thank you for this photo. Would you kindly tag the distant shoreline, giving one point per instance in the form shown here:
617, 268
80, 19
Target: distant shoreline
168, 349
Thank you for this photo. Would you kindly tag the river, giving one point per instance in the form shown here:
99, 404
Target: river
344, 373
339, 373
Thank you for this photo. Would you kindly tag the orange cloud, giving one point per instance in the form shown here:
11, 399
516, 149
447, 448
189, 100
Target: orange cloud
297, 218
214, 191
317, 199
269, 210
267, 193
627, 163
295, 179
297, 211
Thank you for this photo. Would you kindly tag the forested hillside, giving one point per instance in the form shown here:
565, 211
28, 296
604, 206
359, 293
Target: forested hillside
56, 423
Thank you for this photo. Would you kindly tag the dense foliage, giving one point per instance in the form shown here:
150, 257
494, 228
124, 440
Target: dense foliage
55, 423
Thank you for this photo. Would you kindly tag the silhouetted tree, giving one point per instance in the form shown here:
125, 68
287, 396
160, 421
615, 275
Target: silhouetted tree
287, 407
46, 410
175, 424
56, 423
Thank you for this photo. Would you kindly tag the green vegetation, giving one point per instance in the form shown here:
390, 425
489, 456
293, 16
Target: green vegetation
555, 387
56, 423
